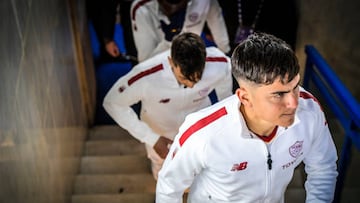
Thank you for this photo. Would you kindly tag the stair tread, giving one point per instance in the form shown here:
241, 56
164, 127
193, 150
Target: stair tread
108, 132
295, 195
350, 195
115, 198
125, 164
113, 147
114, 184
298, 178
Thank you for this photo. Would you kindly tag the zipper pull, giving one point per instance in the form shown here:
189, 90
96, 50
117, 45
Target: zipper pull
269, 161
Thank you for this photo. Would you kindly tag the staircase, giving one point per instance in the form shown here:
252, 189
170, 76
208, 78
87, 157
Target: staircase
114, 169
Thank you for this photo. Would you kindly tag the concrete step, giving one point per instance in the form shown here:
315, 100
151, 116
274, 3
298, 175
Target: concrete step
350, 195
113, 147
114, 198
108, 132
114, 168
352, 176
295, 192
126, 164
298, 179
295, 195
114, 184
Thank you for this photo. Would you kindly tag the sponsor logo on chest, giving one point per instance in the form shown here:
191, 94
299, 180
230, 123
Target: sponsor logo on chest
240, 166
295, 151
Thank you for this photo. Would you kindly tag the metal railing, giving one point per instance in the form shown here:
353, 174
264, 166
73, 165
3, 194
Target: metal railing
341, 102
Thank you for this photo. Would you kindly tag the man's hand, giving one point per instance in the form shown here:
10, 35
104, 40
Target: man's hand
162, 146
112, 48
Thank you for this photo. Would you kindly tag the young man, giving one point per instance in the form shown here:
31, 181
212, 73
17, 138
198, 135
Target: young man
169, 86
246, 147
156, 22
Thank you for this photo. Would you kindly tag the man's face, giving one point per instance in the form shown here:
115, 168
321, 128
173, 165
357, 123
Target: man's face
180, 77
276, 103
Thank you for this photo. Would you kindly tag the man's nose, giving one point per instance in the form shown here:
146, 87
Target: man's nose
292, 100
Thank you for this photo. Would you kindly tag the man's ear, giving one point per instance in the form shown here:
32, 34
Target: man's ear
244, 95
171, 62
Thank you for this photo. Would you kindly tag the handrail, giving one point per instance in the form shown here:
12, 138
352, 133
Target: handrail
342, 104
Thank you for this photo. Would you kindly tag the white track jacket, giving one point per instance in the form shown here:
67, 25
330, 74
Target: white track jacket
165, 103
149, 38
222, 161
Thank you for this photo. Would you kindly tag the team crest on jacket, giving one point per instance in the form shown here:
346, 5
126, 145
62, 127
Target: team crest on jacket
296, 148
193, 17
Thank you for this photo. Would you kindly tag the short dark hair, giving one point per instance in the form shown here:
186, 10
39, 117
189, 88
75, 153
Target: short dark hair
262, 58
188, 51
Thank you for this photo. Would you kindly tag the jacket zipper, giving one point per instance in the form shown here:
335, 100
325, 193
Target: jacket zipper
268, 171
269, 161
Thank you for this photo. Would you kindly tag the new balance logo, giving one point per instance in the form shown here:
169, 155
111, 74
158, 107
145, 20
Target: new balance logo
239, 167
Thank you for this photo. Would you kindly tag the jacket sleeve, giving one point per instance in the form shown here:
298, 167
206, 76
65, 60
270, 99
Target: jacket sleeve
216, 23
320, 165
117, 104
180, 167
148, 40
224, 86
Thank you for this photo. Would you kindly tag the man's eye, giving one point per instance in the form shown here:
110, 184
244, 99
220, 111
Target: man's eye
279, 95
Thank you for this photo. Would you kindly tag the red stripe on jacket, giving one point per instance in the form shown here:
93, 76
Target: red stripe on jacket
216, 59
202, 123
306, 95
138, 5
145, 73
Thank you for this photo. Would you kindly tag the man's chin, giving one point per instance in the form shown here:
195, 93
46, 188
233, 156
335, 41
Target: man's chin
288, 121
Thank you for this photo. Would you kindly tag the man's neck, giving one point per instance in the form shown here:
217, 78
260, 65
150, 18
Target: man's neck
255, 125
